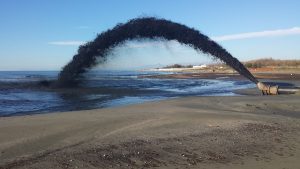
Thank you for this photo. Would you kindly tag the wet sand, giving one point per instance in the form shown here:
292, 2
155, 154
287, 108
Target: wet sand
236, 76
193, 132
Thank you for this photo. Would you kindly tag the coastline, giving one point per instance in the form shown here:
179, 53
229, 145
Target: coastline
217, 75
211, 132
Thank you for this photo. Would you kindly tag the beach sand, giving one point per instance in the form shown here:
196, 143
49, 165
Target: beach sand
192, 132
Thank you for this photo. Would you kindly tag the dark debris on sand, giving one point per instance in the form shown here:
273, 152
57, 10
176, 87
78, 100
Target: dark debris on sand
252, 140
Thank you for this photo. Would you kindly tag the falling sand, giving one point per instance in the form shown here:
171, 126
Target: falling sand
96, 51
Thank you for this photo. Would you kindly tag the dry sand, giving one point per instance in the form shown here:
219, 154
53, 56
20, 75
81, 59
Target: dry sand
192, 132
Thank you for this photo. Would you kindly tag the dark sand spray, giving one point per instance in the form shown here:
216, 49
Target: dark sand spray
89, 54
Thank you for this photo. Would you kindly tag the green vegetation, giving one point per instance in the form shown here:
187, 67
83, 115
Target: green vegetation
270, 62
178, 66
259, 63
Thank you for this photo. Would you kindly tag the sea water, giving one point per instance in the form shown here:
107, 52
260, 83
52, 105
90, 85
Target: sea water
102, 89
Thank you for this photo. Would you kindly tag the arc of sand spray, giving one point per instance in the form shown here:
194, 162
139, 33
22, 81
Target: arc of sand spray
149, 27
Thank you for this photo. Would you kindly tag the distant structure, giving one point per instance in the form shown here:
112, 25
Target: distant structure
200, 67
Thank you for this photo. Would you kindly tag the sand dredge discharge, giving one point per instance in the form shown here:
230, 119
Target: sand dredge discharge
95, 52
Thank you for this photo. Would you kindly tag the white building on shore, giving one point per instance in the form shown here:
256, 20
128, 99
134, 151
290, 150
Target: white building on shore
200, 67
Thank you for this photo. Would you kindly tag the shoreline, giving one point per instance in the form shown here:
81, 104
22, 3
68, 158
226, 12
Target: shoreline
235, 76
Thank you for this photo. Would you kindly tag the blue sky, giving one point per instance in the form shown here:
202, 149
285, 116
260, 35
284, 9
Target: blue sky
44, 35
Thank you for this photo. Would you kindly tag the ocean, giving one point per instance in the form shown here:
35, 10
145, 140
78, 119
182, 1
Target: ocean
19, 94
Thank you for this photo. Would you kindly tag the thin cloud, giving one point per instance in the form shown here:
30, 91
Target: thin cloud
268, 33
67, 43
249, 35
